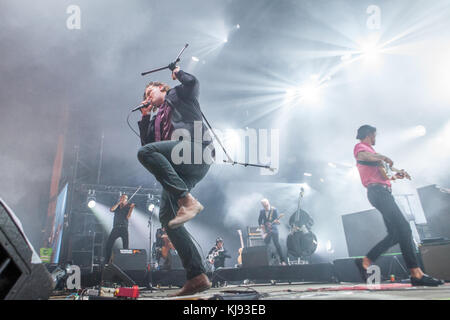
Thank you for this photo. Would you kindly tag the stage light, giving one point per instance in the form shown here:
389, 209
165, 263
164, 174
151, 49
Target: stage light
322, 180
152, 203
310, 92
225, 40
238, 26
91, 200
420, 131
195, 59
307, 174
371, 49
91, 203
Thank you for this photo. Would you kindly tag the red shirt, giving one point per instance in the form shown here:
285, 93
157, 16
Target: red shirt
368, 174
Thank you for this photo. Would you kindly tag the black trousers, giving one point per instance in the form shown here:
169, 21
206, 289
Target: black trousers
276, 241
116, 232
399, 230
177, 180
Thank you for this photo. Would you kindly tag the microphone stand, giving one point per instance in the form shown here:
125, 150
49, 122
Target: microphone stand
150, 231
166, 67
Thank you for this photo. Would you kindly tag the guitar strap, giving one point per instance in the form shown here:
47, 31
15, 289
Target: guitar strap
369, 163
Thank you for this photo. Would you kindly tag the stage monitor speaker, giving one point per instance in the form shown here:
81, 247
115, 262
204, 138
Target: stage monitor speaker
436, 259
130, 259
363, 230
436, 207
255, 257
133, 262
113, 274
22, 274
391, 264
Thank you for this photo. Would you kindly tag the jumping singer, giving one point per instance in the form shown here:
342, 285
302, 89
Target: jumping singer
178, 111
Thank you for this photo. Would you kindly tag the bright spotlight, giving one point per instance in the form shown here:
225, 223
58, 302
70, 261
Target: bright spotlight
91, 200
310, 92
238, 26
371, 49
421, 131
225, 40
307, 174
152, 202
91, 203
195, 59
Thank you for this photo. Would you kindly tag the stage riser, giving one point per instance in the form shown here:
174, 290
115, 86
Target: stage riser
323, 272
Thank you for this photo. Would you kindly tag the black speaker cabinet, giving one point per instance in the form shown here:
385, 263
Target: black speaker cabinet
113, 274
22, 275
133, 262
255, 257
130, 259
363, 230
436, 206
390, 264
436, 259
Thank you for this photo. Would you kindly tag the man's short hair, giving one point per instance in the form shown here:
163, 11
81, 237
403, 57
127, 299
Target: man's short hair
156, 84
364, 131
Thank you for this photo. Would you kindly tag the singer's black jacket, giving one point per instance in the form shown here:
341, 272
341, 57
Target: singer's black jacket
185, 110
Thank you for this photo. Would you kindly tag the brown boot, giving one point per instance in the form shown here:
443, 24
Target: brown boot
198, 284
189, 208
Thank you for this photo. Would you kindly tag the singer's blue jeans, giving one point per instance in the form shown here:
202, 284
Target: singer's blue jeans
177, 181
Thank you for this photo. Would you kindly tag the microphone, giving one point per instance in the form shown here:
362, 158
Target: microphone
145, 105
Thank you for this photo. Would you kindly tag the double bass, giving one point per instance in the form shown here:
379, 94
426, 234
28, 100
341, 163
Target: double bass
167, 246
301, 242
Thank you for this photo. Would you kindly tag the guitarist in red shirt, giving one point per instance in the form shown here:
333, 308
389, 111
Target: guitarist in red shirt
380, 196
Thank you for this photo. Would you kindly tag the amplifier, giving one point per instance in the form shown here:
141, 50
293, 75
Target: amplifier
436, 259
133, 262
130, 259
255, 257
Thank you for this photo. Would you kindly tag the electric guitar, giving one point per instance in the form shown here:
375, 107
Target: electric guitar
267, 228
391, 173
213, 255
239, 259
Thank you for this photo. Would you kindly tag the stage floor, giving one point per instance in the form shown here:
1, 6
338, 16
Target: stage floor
308, 291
